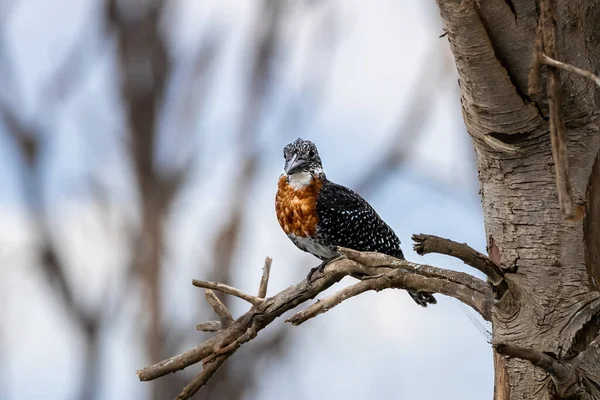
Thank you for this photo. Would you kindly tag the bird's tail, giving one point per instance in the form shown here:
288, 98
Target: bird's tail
423, 298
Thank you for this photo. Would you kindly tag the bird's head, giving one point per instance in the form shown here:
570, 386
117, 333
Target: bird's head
301, 156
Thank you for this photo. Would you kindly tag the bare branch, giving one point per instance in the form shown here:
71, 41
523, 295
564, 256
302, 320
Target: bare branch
557, 123
209, 326
569, 68
425, 244
219, 308
367, 259
376, 271
208, 369
399, 279
221, 287
563, 375
539, 359
327, 304
264, 281
546, 53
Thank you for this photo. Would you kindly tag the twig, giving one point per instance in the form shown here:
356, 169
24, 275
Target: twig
209, 326
221, 287
569, 68
219, 308
208, 369
248, 335
264, 281
557, 123
390, 272
328, 303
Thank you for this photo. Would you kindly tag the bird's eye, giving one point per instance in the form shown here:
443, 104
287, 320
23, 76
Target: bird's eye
311, 153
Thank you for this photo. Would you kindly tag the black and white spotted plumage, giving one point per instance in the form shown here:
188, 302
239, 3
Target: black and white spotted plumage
345, 219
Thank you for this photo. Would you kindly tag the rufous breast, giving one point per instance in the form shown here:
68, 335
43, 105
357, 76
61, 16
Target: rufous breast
297, 207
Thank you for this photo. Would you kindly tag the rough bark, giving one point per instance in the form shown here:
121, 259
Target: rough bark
552, 263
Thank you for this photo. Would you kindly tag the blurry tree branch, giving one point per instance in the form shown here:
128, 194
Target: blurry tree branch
376, 271
411, 123
258, 86
27, 136
145, 68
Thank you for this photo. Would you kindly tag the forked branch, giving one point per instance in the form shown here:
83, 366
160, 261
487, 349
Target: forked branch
375, 272
572, 378
425, 244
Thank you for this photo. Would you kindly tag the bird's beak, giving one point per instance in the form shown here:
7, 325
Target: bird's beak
294, 164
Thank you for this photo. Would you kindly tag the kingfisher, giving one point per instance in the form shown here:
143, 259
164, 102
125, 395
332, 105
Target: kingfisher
319, 215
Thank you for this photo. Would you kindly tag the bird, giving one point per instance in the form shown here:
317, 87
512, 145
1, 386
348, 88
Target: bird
318, 215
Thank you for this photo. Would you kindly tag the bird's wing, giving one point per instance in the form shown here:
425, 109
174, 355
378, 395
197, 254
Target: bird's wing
347, 220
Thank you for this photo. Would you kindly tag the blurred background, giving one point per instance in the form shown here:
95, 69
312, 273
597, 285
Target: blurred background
140, 146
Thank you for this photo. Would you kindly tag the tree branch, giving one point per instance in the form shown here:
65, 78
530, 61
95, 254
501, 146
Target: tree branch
398, 279
264, 281
376, 271
221, 287
569, 68
208, 369
557, 123
548, 363
378, 260
425, 244
219, 308
209, 326
566, 378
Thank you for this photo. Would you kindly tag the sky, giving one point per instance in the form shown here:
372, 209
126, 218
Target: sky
388, 57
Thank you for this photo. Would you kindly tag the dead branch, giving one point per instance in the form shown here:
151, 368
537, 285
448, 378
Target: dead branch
221, 287
425, 244
208, 369
398, 279
219, 308
557, 123
541, 360
565, 377
569, 68
376, 272
264, 281
370, 264
209, 326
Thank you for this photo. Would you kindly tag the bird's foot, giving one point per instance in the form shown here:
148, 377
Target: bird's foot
316, 270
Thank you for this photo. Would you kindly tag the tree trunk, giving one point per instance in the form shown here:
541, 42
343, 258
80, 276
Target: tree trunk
552, 263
